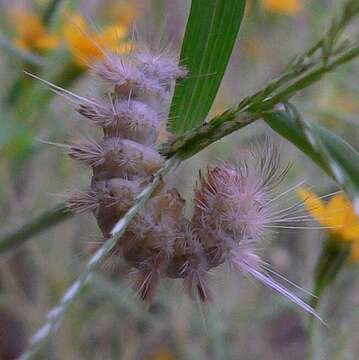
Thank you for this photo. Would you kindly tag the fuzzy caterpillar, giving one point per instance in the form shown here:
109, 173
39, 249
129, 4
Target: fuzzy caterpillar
232, 202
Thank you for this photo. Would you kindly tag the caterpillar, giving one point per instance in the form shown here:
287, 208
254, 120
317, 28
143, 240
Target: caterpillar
234, 207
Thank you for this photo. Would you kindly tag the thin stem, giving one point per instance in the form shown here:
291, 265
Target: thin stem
312, 76
56, 314
234, 119
44, 221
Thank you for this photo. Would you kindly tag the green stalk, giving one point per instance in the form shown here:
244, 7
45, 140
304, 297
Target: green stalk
238, 117
312, 77
44, 221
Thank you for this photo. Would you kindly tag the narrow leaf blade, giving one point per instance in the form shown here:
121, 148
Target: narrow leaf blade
328, 150
210, 35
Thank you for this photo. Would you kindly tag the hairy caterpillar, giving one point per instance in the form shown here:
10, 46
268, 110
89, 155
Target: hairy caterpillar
234, 209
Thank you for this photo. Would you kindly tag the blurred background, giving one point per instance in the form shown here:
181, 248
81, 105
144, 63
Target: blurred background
55, 40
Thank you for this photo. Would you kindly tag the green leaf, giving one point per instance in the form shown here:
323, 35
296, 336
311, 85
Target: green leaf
334, 155
334, 254
210, 35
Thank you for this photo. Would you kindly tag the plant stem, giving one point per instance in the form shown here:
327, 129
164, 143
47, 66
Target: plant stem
238, 117
313, 76
44, 221
56, 314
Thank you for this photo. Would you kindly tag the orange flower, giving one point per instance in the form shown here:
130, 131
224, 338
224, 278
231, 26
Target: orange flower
338, 214
286, 7
87, 47
30, 33
120, 12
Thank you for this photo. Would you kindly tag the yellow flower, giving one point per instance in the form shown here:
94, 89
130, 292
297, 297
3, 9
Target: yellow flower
338, 214
30, 33
121, 12
87, 47
286, 7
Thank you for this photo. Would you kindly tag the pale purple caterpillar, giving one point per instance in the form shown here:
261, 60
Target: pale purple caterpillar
233, 203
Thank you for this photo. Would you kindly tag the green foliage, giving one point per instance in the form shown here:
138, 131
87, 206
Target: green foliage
210, 35
304, 70
334, 155
332, 258
340, 161
300, 73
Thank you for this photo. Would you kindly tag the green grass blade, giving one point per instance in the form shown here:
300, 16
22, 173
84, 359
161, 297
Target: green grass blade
335, 156
210, 35
44, 221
